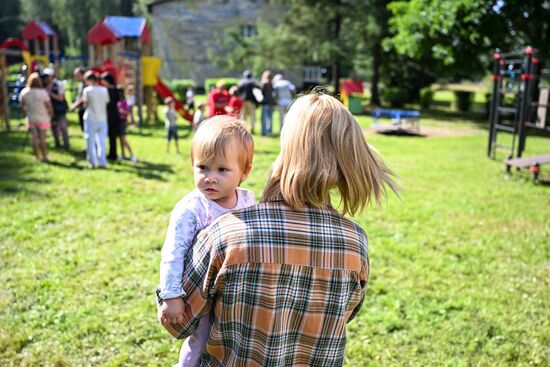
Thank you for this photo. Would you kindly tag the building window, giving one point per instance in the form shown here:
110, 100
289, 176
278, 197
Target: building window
312, 74
248, 30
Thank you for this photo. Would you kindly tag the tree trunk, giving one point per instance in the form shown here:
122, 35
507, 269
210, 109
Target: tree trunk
336, 57
376, 62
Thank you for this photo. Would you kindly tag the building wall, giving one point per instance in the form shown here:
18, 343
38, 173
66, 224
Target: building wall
183, 31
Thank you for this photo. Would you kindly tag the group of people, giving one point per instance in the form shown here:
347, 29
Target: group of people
272, 284
242, 100
102, 109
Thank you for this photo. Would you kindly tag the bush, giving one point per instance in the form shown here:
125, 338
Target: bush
395, 96
179, 87
463, 100
426, 97
210, 83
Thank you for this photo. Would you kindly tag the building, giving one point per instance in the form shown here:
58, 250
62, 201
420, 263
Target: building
184, 32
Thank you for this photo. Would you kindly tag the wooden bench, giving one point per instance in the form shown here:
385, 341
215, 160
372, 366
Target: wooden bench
532, 163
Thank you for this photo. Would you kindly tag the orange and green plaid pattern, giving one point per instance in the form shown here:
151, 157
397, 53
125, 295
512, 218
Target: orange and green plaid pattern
278, 284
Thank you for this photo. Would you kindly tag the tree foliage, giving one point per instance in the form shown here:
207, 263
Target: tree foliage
459, 35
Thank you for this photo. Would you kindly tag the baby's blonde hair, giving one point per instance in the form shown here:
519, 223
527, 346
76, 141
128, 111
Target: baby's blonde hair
323, 148
215, 135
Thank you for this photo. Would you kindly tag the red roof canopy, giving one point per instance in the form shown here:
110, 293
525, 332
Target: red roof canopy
37, 30
352, 86
100, 34
112, 28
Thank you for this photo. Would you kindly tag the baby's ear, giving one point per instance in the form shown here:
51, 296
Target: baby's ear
246, 172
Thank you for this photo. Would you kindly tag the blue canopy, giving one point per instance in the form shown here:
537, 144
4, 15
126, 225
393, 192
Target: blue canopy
126, 26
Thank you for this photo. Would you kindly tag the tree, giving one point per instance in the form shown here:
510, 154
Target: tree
295, 33
461, 34
9, 19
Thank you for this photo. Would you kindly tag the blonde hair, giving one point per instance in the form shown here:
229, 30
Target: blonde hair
214, 137
323, 148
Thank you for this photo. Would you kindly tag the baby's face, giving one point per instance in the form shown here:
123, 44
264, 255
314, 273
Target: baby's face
219, 178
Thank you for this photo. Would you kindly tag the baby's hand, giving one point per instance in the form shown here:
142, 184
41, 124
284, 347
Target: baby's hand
171, 311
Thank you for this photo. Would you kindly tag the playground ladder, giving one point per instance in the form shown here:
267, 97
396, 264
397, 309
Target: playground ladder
503, 118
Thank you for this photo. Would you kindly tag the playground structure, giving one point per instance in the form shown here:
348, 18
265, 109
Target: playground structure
45, 48
118, 45
4, 92
348, 90
121, 46
45, 44
519, 102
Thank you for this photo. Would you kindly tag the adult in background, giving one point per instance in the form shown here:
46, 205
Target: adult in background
246, 91
78, 74
95, 98
284, 93
268, 102
36, 105
218, 98
112, 114
280, 280
56, 90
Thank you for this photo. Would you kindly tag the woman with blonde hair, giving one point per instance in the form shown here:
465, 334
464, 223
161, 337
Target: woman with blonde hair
36, 104
281, 279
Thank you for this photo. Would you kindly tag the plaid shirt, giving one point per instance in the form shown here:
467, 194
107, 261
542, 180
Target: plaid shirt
279, 286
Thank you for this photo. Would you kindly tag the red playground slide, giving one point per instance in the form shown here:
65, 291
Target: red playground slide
165, 92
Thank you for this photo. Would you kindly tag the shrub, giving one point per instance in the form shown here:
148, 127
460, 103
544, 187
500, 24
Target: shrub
179, 87
463, 100
395, 96
210, 83
426, 97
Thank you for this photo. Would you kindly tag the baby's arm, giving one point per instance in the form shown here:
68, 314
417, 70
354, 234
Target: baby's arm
179, 237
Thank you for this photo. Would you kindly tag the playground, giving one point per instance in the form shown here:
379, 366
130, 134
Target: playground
81, 257
459, 262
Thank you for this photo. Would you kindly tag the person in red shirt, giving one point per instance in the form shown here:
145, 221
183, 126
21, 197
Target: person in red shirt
235, 105
218, 99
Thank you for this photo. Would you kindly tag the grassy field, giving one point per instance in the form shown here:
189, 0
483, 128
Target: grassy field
460, 265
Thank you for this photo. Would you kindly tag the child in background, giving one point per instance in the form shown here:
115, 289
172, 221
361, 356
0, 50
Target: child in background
123, 112
199, 115
221, 154
170, 123
190, 99
235, 105
131, 100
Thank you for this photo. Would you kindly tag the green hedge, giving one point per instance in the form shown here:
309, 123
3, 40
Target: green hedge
209, 83
179, 87
426, 97
395, 96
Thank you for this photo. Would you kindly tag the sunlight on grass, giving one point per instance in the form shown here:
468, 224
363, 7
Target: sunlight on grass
459, 264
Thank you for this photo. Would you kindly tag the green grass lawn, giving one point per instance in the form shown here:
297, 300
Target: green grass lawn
460, 264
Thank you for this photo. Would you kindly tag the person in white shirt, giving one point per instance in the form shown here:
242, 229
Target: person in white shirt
199, 115
190, 99
284, 93
95, 98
